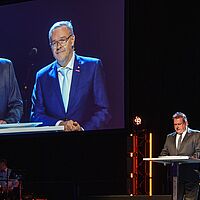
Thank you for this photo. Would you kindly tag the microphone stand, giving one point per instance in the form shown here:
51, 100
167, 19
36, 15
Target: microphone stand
26, 86
26, 94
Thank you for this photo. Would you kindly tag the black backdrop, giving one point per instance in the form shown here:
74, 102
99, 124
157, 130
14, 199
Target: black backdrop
67, 166
165, 69
165, 74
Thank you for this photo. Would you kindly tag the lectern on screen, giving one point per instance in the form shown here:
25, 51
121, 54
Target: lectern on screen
99, 27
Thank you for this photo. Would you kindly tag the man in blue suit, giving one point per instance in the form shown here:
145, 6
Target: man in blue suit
11, 105
70, 91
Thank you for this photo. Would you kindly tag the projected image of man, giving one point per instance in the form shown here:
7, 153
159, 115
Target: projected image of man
11, 104
70, 91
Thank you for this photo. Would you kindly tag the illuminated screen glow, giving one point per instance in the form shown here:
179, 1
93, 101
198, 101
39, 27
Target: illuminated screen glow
99, 30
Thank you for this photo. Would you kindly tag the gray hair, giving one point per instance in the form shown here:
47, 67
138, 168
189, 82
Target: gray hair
180, 115
68, 24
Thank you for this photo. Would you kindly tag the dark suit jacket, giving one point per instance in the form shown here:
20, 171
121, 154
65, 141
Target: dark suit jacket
11, 105
88, 103
190, 146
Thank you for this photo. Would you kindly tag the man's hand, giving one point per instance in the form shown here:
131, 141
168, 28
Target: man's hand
70, 125
2, 121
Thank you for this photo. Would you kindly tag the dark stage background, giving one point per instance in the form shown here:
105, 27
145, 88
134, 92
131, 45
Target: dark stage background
165, 74
68, 166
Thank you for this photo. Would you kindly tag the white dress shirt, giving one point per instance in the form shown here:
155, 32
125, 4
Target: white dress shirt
178, 135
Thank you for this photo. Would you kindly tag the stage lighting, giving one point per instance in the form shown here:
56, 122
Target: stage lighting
137, 120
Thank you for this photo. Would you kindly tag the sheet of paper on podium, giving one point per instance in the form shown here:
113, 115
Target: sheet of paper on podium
20, 125
17, 128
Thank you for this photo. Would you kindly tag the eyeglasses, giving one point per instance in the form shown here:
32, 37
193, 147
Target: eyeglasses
62, 42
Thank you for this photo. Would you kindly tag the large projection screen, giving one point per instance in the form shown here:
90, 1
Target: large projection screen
99, 30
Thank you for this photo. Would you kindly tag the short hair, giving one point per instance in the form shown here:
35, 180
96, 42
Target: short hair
180, 115
68, 24
4, 161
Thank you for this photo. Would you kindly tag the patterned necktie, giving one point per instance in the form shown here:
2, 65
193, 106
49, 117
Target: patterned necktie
179, 142
65, 86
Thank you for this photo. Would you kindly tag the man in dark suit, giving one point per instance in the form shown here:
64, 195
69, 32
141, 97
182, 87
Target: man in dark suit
11, 105
70, 91
184, 142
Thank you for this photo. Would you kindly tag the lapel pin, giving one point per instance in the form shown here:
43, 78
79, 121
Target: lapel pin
78, 69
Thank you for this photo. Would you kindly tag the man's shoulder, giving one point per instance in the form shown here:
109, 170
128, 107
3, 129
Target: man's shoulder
5, 61
171, 134
193, 131
46, 69
86, 59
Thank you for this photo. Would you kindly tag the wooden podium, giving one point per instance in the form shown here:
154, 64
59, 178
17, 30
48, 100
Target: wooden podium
174, 161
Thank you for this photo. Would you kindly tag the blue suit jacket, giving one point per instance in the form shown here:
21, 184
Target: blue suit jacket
11, 105
88, 103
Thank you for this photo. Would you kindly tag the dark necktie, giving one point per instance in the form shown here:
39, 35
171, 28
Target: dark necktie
179, 142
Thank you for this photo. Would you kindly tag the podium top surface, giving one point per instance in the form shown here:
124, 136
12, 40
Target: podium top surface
30, 130
173, 159
20, 125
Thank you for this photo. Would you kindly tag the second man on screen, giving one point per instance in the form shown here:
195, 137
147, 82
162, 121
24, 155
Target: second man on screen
70, 91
